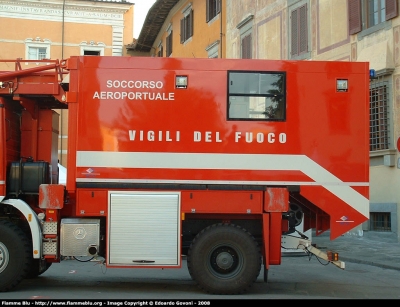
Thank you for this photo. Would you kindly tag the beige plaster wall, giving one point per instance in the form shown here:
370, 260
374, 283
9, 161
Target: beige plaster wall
204, 34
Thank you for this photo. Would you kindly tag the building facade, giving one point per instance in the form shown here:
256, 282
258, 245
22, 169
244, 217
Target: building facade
340, 30
57, 29
182, 28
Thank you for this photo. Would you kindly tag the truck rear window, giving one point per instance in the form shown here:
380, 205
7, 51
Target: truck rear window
256, 96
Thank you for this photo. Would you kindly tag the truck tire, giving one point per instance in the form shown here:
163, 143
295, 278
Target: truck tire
37, 268
15, 255
224, 259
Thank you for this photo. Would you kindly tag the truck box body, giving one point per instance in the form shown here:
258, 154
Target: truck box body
216, 159
163, 134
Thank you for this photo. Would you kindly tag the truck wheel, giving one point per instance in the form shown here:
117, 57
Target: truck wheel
38, 267
224, 259
15, 255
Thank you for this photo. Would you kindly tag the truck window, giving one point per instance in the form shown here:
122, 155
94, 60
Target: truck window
256, 96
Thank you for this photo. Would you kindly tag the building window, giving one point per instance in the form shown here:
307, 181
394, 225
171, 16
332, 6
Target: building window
37, 53
37, 49
298, 31
376, 12
369, 14
380, 221
92, 48
160, 51
246, 47
91, 52
246, 28
379, 116
212, 50
256, 96
187, 26
213, 8
169, 44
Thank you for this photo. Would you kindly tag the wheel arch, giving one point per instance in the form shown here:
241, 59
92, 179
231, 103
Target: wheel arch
33, 223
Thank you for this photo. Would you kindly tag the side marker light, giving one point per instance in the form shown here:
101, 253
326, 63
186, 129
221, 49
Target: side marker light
332, 256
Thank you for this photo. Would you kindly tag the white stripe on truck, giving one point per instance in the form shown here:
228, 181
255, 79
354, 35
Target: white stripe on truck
212, 161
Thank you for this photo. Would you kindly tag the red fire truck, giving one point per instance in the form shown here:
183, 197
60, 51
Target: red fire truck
216, 161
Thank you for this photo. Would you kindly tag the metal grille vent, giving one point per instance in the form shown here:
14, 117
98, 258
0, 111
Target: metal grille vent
50, 228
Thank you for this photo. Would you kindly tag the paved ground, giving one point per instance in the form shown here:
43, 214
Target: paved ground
378, 249
298, 277
372, 272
